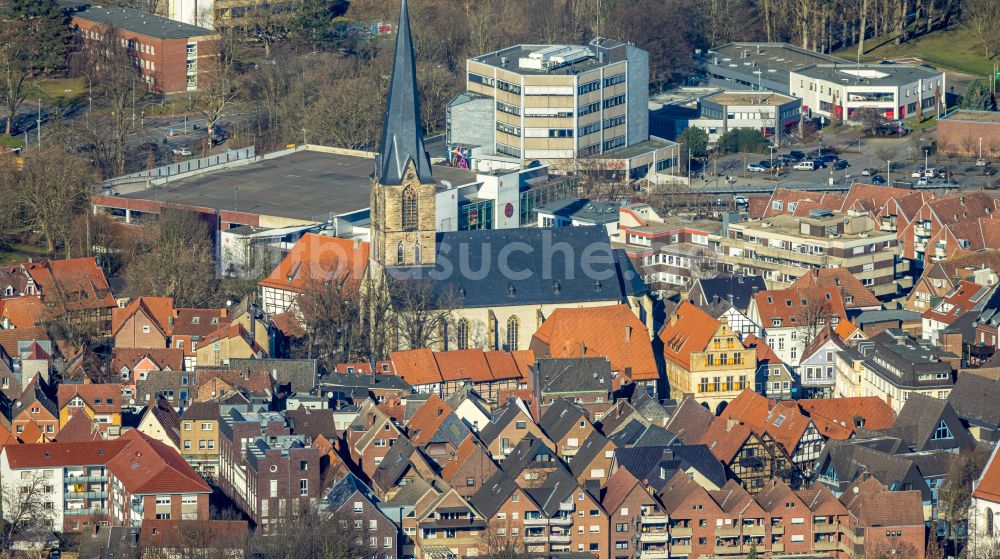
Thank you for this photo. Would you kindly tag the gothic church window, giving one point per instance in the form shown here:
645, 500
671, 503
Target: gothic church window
409, 209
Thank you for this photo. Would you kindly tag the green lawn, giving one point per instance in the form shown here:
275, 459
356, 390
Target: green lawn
956, 49
60, 91
10, 142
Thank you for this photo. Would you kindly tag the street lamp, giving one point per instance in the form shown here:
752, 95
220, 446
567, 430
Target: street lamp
39, 124
927, 153
90, 96
980, 148
772, 148
888, 171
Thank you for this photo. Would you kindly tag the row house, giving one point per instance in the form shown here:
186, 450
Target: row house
446, 372
637, 522
673, 253
941, 277
100, 403
959, 308
75, 289
369, 437
21, 312
892, 366
146, 322
819, 363
586, 381
512, 424
987, 333
705, 358
567, 426
784, 248
190, 326
774, 378
928, 237
34, 417
792, 318
120, 482
752, 457
443, 524
357, 507
795, 432
614, 332
199, 437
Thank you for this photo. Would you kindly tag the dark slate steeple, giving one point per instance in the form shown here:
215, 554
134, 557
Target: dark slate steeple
402, 131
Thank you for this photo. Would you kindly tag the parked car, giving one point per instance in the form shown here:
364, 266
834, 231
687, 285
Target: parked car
828, 150
930, 172
830, 157
942, 173
922, 181
840, 165
820, 163
877, 180
917, 173
756, 168
981, 163
989, 171
869, 172
181, 151
796, 155
764, 163
805, 166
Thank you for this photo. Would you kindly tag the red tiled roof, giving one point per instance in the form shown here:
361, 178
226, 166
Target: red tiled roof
10, 338
689, 330
792, 306
416, 366
163, 357
110, 396
463, 364
835, 417
725, 437
148, 467
318, 258
465, 450
55, 455
612, 331
160, 310
845, 329
288, 324
79, 428
23, 312
427, 419
839, 278
73, 284
988, 485
198, 322
786, 425
258, 382
764, 352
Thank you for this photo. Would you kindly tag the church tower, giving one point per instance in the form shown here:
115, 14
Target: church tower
402, 200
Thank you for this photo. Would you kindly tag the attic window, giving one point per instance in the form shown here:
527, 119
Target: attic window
776, 322
769, 300
827, 297
556, 287
215, 320
195, 319
597, 285
511, 290
788, 302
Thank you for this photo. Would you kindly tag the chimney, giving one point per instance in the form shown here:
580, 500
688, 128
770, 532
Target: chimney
673, 319
583, 349
440, 411
731, 422
756, 289
628, 333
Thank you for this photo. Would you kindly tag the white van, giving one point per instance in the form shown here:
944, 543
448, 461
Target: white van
805, 166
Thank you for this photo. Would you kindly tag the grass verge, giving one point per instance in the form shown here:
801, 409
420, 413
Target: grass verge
955, 49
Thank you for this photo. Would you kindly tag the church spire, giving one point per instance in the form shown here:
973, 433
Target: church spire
402, 131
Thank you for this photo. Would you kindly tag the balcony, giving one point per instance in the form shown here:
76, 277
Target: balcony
654, 536
561, 538
777, 547
680, 549
728, 549
86, 495
85, 512
825, 546
654, 554
536, 521
830, 528
777, 529
536, 539
83, 479
561, 521
681, 531
655, 518
755, 530
567, 506
727, 532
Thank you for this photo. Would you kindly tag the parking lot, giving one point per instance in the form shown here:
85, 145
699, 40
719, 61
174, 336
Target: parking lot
858, 154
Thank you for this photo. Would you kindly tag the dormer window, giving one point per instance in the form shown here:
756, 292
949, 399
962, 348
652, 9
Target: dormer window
195, 319
776, 322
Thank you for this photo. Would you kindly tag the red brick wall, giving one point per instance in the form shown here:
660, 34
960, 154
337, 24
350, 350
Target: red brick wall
962, 137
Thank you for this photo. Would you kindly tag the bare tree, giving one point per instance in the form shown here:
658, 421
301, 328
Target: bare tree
52, 187
28, 509
310, 533
421, 313
982, 17
16, 68
498, 543
893, 548
118, 79
955, 494
814, 316
330, 310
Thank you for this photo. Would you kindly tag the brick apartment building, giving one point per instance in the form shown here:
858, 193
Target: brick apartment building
172, 57
268, 472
